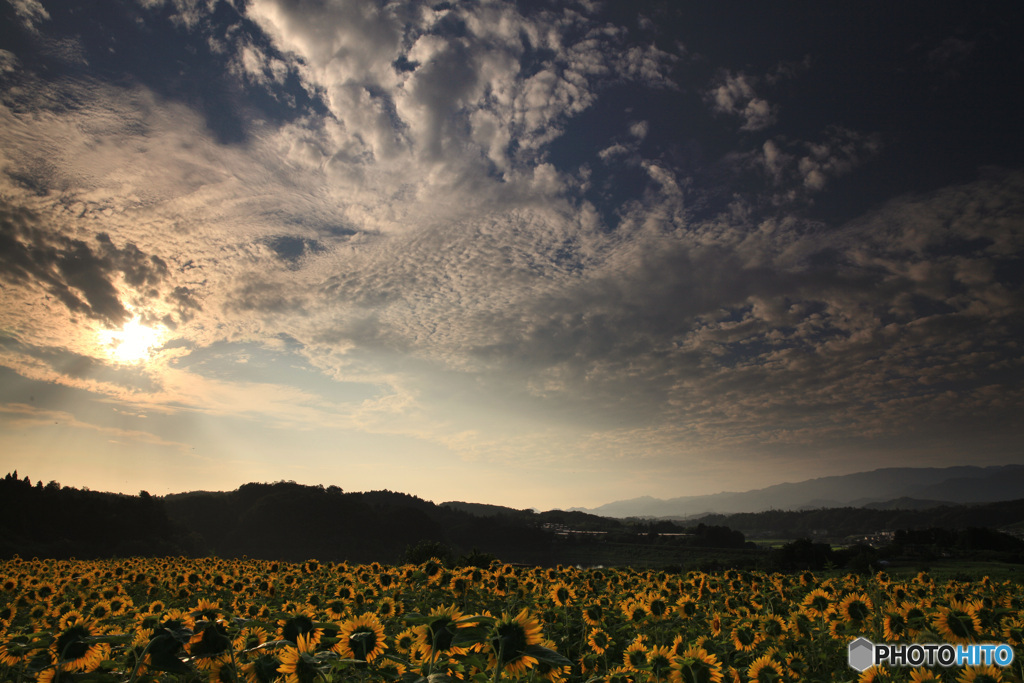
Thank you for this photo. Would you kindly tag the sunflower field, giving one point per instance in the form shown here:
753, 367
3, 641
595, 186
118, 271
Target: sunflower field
180, 619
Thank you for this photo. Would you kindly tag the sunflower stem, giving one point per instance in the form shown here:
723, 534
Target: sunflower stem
433, 650
138, 662
500, 663
234, 665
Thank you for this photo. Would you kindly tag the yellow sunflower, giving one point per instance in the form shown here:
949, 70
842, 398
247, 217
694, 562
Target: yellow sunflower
433, 569
855, 608
15, 650
599, 641
634, 610
459, 586
550, 672
437, 635
980, 674
894, 627
511, 637
916, 617
745, 637
297, 663
589, 663
335, 609
797, 665
1013, 632
387, 607
45, 591
250, 637
39, 610
659, 660
958, 623
220, 669
361, 638
816, 603
679, 646
874, 674
208, 609
923, 675
715, 624
764, 670
696, 665
390, 670
686, 608
72, 651
619, 675
299, 624
658, 607
800, 625
593, 614
773, 626
635, 656
406, 640
120, 605
562, 594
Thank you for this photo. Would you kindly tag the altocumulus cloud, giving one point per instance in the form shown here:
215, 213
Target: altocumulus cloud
553, 234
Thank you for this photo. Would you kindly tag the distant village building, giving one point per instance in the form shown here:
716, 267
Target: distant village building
875, 540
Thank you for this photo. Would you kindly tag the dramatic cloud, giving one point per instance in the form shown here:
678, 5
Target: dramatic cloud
735, 95
495, 241
79, 275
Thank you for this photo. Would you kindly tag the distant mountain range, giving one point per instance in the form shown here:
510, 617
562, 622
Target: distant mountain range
887, 488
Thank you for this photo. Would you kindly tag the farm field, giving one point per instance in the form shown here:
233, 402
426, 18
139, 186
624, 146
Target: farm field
179, 619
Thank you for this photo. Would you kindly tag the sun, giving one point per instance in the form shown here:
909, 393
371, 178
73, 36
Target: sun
134, 342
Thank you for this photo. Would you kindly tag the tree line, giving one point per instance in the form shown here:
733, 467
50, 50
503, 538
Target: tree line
289, 521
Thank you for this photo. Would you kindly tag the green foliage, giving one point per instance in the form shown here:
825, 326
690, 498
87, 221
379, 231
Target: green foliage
425, 550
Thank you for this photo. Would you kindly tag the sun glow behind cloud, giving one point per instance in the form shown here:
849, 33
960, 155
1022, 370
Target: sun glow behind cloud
134, 343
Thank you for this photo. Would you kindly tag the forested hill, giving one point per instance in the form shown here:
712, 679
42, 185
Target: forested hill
848, 521
283, 520
290, 521
61, 522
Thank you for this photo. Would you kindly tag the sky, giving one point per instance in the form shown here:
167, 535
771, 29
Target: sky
534, 254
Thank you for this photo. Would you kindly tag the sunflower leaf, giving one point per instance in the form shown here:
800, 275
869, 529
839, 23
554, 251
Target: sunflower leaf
325, 656
363, 635
110, 638
97, 677
254, 623
270, 644
325, 624
214, 641
342, 662
416, 619
476, 619
179, 634
163, 654
548, 656
470, 635
475, 660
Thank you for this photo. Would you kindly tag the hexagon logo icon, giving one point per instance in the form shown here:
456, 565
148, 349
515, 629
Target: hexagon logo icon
861, 654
